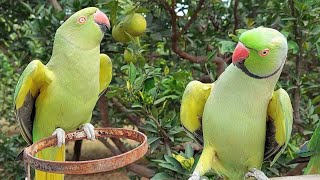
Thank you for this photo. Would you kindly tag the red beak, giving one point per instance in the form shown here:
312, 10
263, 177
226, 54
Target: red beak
240, 53
102, 19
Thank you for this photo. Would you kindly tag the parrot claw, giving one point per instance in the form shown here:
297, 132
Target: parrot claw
61, 136
195, 176
89, 130
256, 173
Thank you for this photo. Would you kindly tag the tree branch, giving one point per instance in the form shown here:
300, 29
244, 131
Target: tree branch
235, 15
55, 5
131, 116
4, 50
176, 34
193, 18
299, 59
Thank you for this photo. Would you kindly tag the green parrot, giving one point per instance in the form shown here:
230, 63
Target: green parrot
60, 96
240, 118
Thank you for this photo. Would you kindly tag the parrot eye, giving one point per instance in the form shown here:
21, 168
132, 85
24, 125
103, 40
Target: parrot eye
264, 52
82, 20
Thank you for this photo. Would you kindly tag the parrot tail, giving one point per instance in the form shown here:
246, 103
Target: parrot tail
59, 155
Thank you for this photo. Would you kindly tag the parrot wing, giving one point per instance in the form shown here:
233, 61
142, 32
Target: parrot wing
279, 124
105, 72
192, 105
34, 78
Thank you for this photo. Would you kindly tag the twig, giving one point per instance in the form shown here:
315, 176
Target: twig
193, 18
297, 170
235, 15
176, 34
166, 139
131, 116
55, 5
296, 94
4, 50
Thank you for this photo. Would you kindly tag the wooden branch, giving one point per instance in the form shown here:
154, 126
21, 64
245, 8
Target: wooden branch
193, 18
166, 139
214, 22
55, 5
176, 34
131, 116
4, 50
297, 170
299, 60
303, 177
235, 15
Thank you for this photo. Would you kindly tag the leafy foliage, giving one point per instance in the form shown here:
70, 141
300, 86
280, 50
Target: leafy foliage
151, 88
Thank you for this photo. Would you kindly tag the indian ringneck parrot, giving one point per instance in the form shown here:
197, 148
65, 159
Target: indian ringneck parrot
239, 118
60, 96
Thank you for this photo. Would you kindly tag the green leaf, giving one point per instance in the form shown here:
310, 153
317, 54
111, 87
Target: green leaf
289, 19
152, 139
161, 176
154, 112
132, 73
226, 46
158, 101
136, 104
149, 84
27, 6
154, 145
142, 10
189, 151
293, 46
168, 166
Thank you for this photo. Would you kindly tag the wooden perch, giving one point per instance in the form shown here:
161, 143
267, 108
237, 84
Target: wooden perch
302, 177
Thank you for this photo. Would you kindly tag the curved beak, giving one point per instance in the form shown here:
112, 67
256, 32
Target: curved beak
102, 20
240, 53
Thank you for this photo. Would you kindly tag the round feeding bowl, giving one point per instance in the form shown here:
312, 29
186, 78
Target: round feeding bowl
90, 166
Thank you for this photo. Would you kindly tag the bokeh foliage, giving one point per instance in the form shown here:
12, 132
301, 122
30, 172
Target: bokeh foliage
152, 87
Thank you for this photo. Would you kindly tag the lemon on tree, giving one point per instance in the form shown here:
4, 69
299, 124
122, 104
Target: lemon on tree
119, 34
129, 57
135, 24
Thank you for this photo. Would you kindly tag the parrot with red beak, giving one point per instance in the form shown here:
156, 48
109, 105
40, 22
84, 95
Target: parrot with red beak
60, 96
239, 118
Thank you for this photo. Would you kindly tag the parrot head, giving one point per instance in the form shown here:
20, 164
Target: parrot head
260, 52
85, 28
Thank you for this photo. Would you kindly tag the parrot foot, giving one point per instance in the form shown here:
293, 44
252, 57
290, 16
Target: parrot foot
61, 136
195, 176
89, 130
256, 173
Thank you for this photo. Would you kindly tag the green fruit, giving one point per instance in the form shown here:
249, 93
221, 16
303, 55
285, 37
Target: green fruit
135, 24
118, 33
128, 57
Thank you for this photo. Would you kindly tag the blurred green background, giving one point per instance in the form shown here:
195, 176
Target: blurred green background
146, 94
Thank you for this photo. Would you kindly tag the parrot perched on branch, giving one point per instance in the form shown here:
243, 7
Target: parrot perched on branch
60, 96
240, 118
